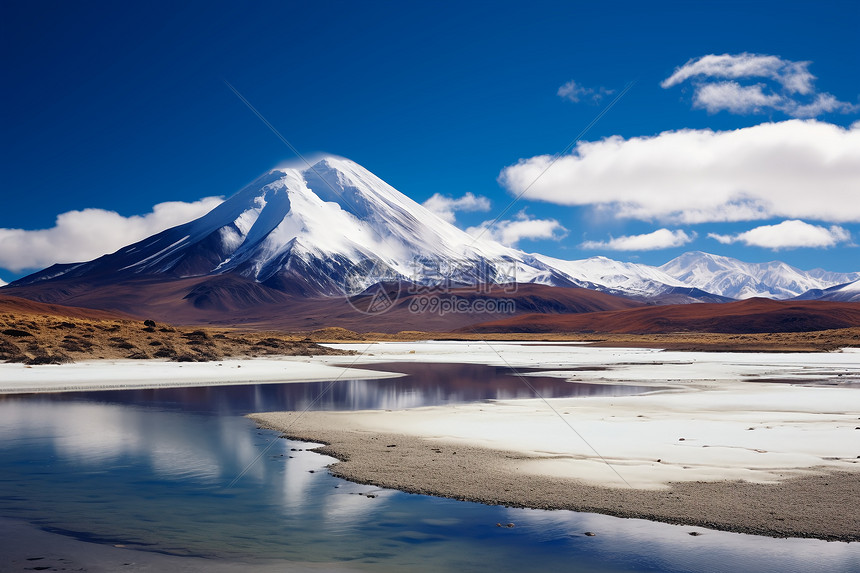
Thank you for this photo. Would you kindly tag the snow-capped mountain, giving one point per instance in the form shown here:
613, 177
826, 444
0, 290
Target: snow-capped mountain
631, 279
335, 228
849, 292
732, 278
330, 228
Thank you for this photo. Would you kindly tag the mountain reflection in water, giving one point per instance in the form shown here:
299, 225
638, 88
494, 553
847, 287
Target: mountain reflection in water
422, 385
155, 470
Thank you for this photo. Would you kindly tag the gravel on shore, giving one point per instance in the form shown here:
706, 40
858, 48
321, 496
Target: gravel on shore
820, 504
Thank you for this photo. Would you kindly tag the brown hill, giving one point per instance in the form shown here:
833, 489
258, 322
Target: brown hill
37, 333
231, 300
22, 306
755, 315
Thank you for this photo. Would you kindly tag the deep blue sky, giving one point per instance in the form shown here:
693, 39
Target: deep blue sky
121, 106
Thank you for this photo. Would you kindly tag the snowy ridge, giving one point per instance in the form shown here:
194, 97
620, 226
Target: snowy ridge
629, 278
338, 211
732, 278
849, 292
335, 227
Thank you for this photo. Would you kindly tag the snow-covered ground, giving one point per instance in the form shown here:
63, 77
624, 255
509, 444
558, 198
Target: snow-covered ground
750, 416
133, 374
758, 417
627, 364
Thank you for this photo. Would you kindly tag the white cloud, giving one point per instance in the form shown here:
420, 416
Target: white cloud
733, 97
792, 169
446, 207
823, 103
792, 92
659, 239
793, 76
575, 92
511, 231
90, 233
788, 235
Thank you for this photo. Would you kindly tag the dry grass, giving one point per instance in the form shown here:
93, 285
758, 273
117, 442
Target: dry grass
817, 341
46, 339
53, 339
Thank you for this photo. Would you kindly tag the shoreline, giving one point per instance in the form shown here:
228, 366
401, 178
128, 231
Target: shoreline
815, 504
733, 442
759, 444
98, 375
38, 339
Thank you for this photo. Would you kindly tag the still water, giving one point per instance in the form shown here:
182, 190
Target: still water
150, 469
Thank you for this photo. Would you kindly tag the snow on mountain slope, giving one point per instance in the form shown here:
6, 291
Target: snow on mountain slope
736, 279
833, 278
341, 211
849, 292
335, 227
628, 278
330, 228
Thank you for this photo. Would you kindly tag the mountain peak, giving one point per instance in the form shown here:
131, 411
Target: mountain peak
333, 227
733, 278
318, 224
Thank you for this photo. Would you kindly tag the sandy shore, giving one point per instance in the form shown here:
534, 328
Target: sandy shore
820, 505
764, 444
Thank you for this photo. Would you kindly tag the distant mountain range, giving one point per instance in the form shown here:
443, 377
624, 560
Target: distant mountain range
289, 248
840, 293
735, 279
335, 228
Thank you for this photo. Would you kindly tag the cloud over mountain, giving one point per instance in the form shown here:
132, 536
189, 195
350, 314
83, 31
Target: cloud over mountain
659, 239
798, 169
788, 235
511, 231
89, 233
446, 207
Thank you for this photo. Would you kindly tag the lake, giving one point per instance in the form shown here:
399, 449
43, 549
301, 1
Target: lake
152, 470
